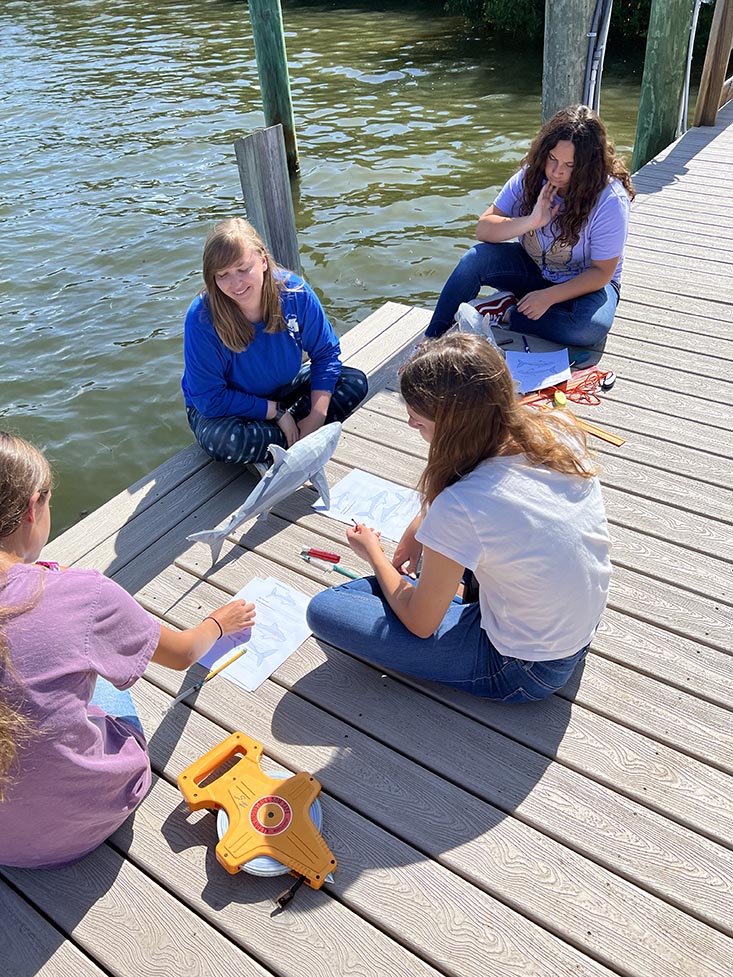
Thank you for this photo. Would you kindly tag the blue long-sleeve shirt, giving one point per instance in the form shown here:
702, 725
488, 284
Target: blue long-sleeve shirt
220, 383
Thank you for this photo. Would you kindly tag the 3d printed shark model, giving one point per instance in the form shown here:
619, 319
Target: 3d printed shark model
304, 461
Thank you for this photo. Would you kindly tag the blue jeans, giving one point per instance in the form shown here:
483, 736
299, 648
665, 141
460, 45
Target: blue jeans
584, 321
115, 702
243, 440
356, 617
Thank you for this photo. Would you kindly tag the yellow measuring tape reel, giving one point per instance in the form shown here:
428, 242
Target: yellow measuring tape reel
265, 816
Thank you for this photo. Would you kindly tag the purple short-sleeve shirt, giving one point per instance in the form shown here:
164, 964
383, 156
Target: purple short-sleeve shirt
82, 772
602, 236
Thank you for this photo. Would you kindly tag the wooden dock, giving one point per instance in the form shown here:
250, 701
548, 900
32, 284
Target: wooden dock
589, 834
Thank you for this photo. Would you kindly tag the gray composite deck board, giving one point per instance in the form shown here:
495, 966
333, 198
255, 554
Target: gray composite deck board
121, 916
472, 837
35, 948
281, 544
645, 448
709, 788
389, 883
670, 525
664, 325
589, 834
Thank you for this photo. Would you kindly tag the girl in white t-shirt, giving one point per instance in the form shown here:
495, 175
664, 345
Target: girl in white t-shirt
509, 494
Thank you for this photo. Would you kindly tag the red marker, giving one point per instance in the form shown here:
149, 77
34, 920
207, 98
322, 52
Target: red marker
321, 555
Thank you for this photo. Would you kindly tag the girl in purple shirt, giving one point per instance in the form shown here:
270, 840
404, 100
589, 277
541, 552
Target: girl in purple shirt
569, 208
71, 640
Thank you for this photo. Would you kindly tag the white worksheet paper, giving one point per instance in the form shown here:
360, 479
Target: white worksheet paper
379, 503
535, 371
279, 630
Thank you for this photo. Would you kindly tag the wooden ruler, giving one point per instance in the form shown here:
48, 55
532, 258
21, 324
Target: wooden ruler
599, 432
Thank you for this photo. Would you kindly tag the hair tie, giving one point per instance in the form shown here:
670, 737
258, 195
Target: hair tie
221, 630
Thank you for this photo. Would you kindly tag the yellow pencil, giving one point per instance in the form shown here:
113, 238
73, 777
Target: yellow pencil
212, 673
219, 668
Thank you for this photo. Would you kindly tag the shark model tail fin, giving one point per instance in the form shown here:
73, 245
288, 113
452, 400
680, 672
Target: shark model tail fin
214, 539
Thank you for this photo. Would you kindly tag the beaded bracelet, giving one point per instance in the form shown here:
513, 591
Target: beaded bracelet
221, 630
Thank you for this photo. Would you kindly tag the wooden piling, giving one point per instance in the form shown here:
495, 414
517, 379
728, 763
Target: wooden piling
263, 173
567, 23
670, 22
716, 63
272, 67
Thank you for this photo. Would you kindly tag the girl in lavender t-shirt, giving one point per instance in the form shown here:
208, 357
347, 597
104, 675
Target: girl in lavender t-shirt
70, 773
569, 208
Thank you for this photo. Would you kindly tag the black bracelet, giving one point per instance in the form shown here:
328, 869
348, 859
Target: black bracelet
221, 630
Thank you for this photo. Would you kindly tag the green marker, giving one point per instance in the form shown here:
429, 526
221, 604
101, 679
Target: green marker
344, 571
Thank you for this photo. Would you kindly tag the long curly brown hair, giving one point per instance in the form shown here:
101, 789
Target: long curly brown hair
594, 163
227, 243
23, 472
462, 383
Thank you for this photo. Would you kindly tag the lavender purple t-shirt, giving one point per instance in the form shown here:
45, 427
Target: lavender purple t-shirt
602, 236
83, 772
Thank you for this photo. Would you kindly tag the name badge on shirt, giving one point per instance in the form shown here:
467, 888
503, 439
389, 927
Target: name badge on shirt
293, 328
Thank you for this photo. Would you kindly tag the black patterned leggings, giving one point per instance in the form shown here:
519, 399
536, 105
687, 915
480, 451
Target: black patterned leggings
242, 440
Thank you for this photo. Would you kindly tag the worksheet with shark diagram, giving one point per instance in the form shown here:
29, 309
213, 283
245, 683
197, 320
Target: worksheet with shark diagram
387, 507
535, 371
279, 630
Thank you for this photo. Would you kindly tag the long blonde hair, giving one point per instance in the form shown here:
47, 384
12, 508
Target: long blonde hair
227, 244
462, 383
23, 472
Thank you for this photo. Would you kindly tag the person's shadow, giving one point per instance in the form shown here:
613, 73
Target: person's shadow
411, 760
63, 896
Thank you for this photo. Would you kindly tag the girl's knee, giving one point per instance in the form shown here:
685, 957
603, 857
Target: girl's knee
355, 382
362, 383
216, 450
320, 612
473, 258
338, 610
211, 448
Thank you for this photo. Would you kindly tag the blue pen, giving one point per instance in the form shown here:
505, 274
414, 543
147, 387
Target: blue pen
526, 345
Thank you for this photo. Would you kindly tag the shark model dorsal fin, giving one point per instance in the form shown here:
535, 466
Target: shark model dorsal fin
278, 455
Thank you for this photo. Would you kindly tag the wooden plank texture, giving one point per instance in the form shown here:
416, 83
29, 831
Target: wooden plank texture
32, 947
588, 835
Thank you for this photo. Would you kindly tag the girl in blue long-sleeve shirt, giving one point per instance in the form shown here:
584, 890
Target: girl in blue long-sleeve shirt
245, 336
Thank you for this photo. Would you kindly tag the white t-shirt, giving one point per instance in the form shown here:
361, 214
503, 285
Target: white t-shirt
537, 542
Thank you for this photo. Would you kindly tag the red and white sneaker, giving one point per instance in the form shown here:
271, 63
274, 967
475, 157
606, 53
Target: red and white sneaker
495, 306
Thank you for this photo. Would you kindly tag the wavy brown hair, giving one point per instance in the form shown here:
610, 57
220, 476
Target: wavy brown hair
228, 243
462, 383
595, 162
23, 472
